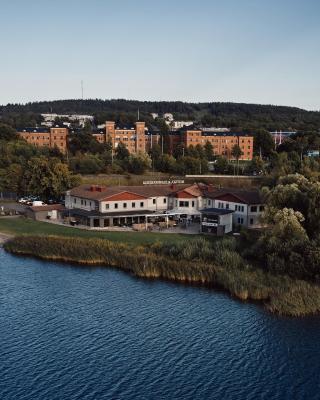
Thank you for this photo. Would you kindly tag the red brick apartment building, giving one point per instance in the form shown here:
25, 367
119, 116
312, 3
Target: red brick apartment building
133, 138
44, 137
222, 142
139, 139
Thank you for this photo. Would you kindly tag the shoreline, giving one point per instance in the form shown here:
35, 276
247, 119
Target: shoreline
4, 237
279, 294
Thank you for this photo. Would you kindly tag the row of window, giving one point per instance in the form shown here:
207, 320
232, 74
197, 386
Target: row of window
256, 208
82, 202
183, 203
124, 205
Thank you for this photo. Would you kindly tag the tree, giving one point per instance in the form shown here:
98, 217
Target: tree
236, 152
221, 165
263, 143
138, 163
122, 153
7, 132
49, 179
280, 248
167, 163
11, 179
179, 150
208, 149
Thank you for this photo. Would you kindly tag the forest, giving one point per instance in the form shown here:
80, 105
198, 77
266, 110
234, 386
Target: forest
237, 116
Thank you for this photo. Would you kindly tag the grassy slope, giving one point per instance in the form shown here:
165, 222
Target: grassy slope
23, 226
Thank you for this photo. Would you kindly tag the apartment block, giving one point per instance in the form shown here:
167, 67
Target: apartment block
222, 142
46, 137
133, 138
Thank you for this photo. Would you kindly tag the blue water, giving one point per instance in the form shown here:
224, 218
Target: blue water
70, 332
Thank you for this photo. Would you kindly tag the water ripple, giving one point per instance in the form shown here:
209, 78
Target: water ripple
83, 333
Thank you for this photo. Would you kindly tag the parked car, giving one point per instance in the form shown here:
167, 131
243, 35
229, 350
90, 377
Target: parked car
38, 203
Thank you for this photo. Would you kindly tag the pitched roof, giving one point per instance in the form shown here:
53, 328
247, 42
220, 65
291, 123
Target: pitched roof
99, 193
238, 195
49, 207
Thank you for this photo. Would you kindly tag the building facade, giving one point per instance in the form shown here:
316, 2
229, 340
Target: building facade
222, 142
46, 137
102, 207
133, 138
247, 205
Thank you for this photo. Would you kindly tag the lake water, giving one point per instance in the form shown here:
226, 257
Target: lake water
70, 332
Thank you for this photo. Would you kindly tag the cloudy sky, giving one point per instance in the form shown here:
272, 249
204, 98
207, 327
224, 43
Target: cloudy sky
253, 51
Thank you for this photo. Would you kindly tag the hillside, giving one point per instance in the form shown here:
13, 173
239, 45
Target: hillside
235, 115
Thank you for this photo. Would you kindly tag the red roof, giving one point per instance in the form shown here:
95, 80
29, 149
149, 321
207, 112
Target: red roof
125, 196
184, 195
49, 207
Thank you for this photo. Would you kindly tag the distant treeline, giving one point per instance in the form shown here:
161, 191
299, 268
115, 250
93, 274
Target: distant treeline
247, 117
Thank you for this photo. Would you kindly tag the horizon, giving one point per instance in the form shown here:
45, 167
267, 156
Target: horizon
265, 53
156, 101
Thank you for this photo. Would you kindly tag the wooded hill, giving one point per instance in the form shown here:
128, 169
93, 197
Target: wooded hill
234, 115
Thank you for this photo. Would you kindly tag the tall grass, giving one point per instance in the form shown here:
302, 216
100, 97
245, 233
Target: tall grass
199, 261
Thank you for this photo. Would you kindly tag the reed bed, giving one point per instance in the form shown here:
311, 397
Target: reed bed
199, 261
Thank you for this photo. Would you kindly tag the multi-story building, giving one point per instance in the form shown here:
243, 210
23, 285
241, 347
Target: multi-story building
102, 207
133, 138
246, 205
222, 142
46, 137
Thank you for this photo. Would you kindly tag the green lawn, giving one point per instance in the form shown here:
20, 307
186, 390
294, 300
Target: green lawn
24, 226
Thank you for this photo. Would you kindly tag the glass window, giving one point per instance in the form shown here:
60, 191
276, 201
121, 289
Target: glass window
164, 200
124, 205
154, 201
141, 204
253, 208
115, 205
133, 205
107, 206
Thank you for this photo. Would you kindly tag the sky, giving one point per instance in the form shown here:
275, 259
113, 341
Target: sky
251, 51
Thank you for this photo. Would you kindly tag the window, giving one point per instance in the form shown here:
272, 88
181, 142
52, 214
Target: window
153, 201
183, 204
115, 205
74, 200
107, 206
164, 201
227, 206
141, 204
261, 208
133, 205
251, 221
192, 204
81, 202
209, 202
253, 208
240, 221
124, 205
